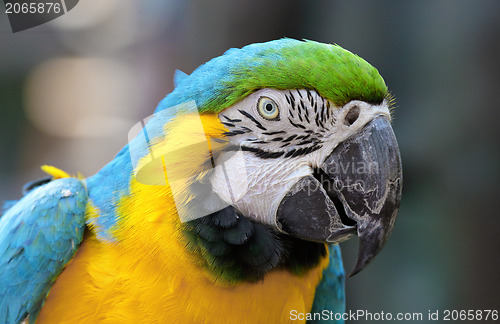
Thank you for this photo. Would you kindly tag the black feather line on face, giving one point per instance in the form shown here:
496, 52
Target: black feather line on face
323, 111
293, 99
288, 99
301, 137
306, 111
231, 120
255, 121
263, 154
274, 133
301, 109
296, 125
307, 118
268, 154
234, 133
309, 141
317, 120
227, 124
288, 139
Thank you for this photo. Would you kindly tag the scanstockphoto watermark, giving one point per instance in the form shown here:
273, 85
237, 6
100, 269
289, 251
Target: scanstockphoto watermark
357, 315
430, 315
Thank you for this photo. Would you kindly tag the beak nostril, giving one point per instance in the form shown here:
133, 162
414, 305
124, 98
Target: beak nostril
352, 115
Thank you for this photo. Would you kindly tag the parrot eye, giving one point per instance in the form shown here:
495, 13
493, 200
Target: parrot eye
268, 108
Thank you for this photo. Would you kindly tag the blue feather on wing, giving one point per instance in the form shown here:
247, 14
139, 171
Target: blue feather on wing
39, 235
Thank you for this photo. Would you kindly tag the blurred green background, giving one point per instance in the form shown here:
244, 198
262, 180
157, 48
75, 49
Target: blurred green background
71, 89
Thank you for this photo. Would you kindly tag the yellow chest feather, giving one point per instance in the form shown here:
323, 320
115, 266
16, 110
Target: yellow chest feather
105, 285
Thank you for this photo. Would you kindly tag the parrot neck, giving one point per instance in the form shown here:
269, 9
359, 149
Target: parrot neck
105, 188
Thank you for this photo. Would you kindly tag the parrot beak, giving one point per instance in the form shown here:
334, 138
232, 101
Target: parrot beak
356, 191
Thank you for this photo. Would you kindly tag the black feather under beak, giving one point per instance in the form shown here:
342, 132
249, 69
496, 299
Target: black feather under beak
357, 191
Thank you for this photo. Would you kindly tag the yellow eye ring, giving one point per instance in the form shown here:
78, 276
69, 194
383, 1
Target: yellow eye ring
268, 108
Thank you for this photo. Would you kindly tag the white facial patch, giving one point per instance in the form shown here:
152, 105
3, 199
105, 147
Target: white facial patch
278, 151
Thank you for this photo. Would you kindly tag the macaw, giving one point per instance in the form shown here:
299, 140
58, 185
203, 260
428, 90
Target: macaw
226, 206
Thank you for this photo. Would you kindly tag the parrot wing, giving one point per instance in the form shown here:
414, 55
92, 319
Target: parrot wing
330, 293
39, 235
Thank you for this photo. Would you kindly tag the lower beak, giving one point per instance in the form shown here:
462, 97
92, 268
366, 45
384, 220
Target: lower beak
357, 191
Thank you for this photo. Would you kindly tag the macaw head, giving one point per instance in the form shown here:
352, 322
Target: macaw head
299, 138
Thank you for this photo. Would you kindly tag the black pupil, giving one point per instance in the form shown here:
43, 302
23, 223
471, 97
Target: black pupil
269, 107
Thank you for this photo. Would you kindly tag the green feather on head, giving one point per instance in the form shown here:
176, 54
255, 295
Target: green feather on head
337, 74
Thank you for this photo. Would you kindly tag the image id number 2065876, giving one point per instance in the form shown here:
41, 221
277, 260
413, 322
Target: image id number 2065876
32, 7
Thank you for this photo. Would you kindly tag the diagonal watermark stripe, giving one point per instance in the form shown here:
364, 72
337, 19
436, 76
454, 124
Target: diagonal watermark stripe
171, 148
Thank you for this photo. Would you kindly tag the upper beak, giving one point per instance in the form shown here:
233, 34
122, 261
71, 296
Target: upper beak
357, 190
